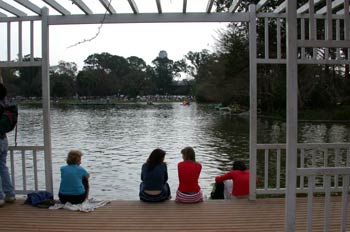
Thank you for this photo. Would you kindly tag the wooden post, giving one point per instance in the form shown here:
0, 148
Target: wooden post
292, 115
1, 80
253, 102
46, 99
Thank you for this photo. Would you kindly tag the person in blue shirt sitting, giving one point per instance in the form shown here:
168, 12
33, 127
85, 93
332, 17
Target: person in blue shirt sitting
154, 176
74, 187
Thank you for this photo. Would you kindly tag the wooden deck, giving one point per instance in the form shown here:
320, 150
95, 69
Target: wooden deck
211, 215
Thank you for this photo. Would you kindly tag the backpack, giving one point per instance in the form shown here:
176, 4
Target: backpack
218, 191
8, 117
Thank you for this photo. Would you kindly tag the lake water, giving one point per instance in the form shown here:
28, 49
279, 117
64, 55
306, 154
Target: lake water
117, 140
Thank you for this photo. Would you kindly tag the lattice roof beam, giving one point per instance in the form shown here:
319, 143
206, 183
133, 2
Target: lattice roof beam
306, 7
335, 4
107, 4
341, 12
234, 5
82, 6
57, 7
7, 7
2, 15
209, 5
29, 5
133, 6
184, 6
260, 4
159, 6
280, 8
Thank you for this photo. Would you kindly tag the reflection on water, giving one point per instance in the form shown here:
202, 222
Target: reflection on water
117, 140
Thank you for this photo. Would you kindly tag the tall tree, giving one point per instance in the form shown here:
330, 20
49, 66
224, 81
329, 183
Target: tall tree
63, 78
30, 80
163, 75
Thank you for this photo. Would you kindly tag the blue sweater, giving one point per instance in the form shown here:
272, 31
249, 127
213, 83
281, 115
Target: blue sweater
156, 178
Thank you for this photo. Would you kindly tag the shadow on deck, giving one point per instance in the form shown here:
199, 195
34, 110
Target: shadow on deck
211, 215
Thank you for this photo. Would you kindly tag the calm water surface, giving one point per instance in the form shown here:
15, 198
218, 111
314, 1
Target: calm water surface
117, 140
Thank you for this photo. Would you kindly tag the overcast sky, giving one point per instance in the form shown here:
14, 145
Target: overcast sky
142, 40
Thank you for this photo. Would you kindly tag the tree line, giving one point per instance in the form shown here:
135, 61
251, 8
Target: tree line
219, 76
103, 74
223, 76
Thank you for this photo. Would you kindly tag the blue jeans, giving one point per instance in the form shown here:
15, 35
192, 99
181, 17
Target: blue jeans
163, 196
6, 185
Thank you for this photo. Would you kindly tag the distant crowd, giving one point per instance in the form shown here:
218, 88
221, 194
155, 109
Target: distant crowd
114, 98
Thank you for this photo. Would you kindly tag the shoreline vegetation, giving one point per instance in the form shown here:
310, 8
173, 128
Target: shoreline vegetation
339, 113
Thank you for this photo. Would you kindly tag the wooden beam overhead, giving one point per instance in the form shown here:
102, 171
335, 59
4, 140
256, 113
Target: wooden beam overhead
184, 6
29, 5
209, 6
335, 4
82, 6
234, 5
107, 4
133, 6
304, 8
149, 18
9, 8
57, 7
159, 6
347, 24
324, 44
280, 8
341, 12
260, 4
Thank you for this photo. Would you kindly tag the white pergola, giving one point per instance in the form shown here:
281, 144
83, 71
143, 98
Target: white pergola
335, 14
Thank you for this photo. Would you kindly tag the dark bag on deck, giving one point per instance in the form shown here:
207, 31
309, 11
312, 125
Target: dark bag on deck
40, 199
218, 191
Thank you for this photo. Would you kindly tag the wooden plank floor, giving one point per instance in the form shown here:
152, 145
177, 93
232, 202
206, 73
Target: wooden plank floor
211, 215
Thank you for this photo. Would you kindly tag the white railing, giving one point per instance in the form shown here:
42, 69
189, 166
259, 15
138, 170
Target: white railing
27, 168
271, 164
322, 168
327, 173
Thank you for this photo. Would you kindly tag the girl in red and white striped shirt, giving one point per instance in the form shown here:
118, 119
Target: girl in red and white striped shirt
189, 170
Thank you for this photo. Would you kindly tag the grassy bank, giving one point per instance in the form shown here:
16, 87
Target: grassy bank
339, 113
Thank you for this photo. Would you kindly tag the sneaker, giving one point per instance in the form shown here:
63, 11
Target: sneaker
10, 199
2, 202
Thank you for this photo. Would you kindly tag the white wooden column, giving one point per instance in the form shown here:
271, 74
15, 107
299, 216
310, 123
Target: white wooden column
292, 115
46, 98
253, 102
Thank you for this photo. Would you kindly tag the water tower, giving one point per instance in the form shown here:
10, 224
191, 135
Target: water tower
163, 54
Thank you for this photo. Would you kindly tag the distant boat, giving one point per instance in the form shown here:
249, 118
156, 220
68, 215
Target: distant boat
225, 109
244, 114
186, 103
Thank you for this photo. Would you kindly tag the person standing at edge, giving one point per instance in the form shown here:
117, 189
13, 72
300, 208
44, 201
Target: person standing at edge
7, 193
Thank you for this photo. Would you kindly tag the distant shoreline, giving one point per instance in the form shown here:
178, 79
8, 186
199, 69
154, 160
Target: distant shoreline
339, 114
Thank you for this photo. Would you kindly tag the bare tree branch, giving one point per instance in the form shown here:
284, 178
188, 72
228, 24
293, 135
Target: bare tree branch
98, 29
